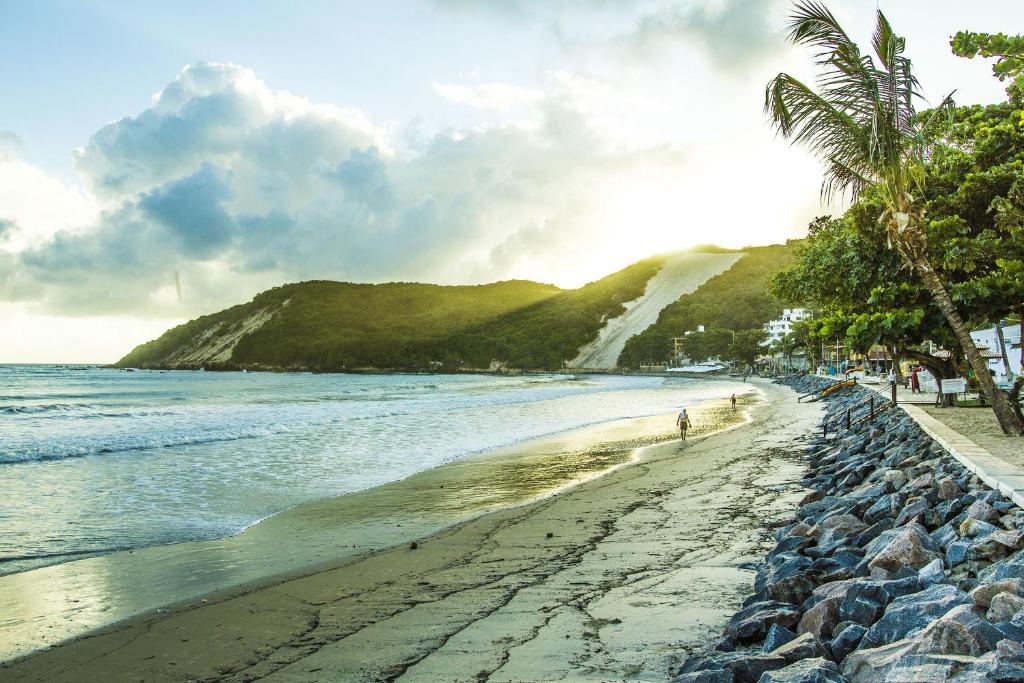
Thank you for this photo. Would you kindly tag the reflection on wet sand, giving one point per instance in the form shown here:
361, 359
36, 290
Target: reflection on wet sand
45, 606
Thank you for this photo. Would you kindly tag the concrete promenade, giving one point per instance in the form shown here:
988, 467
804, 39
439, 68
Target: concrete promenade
996, 459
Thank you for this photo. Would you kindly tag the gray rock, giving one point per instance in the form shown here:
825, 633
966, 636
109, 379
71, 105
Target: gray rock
988, 549
871, 665
782, 575
1004, 606
945, 512
820, 619
1011, 630
841, 525
944, 535
1009, 662
1011, 567
983, 594
956, 552
912, 511
802, 647
932, 573
846, 640
908, 546
715, 676
864, 603
910, 613
886, 506
1013, 540
949, 490
979, 509
752, 622
960, 632
818, 670
922, 668
871, 533
749, 669
777, 637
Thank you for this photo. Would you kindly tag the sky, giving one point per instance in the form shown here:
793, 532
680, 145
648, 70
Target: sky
159, 161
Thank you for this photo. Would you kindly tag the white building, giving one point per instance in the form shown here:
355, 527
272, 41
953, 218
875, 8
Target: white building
988, 341
777, 329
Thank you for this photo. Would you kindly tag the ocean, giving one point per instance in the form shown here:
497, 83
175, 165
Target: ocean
95, 460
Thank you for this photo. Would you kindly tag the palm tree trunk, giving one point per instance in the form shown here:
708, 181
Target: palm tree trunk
1008, 420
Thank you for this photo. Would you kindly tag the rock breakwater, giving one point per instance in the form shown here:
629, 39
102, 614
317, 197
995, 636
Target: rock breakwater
900, 565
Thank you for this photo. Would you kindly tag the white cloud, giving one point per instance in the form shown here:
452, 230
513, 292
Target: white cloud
238, 187
40, 204
498, 96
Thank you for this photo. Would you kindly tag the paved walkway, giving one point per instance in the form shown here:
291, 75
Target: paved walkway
997, 459
1003, 475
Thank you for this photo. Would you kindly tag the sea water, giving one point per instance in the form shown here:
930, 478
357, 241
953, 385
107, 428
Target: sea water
95, 460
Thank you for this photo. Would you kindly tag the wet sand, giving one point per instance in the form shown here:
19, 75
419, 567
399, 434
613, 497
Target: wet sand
606, 580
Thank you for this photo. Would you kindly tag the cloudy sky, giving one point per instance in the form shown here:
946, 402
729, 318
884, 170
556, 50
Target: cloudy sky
163, 160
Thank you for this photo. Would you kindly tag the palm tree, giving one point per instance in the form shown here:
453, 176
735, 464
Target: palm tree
862, 123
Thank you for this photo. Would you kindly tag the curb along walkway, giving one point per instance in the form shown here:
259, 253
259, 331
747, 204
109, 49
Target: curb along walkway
997, 473
1002, 476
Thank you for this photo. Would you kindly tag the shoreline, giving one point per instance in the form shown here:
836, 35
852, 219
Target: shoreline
603, 504
73, 598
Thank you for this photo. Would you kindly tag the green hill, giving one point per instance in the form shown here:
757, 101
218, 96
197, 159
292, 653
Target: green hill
737, 299
331, 326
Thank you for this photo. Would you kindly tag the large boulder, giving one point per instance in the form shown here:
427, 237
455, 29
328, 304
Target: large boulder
804, 646
908, 546
782, 579
871, 665
910, 613
1009, 662
714, 676
821, 619
1004, 607
912, 511
897, 662
960, 632
983, 594
839, 525
864, 603
846, 640
1011, 567
777, 637
744, 667
752, 622
817, 670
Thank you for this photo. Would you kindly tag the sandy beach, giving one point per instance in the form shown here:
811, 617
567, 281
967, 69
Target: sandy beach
608, 579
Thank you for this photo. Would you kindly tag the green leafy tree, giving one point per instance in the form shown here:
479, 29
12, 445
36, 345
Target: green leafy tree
1009, 54
863, 124
700, 346
747, 346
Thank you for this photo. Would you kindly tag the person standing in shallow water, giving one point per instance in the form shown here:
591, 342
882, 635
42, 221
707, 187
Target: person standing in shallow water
683, 420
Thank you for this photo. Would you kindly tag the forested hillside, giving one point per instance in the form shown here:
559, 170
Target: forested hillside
330, 326
737, 299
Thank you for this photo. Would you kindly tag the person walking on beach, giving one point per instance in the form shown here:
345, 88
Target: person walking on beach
733, 399
683, 420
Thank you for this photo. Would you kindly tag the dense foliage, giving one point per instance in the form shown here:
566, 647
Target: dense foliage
975, 237
862, 121
326, 326
737, 299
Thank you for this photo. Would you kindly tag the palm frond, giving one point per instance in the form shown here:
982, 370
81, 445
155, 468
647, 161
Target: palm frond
813, 24
841, 177
831, 132
860, 120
